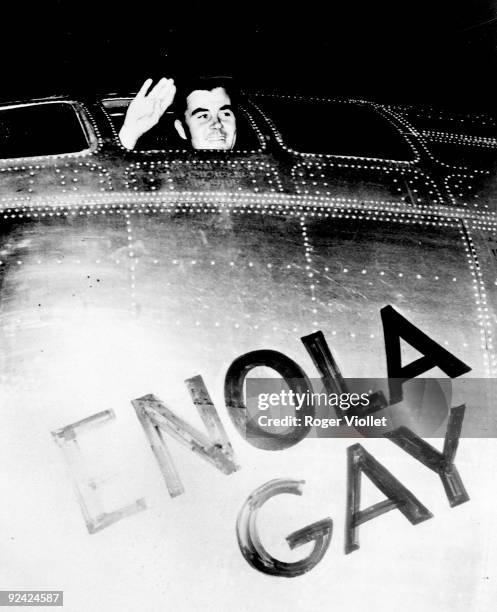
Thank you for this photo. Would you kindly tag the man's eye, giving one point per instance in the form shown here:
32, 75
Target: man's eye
202, 116
227, 114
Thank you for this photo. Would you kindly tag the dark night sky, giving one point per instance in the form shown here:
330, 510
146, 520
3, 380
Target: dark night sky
407, 51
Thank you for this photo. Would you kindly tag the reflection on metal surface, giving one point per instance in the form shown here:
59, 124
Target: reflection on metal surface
123, 273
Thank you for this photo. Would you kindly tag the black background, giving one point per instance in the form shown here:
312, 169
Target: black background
409, 51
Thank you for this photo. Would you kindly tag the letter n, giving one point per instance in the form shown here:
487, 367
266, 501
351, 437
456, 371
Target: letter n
400, 498
156, 419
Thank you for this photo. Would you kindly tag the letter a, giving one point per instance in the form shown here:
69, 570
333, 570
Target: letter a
395, 326
359, 460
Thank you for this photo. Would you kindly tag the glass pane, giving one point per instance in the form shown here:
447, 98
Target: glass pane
40, 129
336, 128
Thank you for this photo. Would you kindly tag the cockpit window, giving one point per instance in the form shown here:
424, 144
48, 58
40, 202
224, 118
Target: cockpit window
164, 135
335, 128
51, 128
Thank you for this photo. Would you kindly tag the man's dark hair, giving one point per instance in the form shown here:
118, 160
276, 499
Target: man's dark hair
186, 86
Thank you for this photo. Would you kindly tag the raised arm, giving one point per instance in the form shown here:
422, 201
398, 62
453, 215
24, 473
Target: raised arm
145, 110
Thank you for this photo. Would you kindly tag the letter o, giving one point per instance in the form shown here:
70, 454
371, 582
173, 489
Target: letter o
297, 381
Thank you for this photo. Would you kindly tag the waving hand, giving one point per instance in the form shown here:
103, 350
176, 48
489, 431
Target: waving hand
146, 109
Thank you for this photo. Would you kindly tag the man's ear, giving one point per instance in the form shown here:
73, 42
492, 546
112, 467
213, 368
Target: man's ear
180, 129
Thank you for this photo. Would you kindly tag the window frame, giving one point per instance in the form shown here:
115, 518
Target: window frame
378, 109
84, 120
248, 116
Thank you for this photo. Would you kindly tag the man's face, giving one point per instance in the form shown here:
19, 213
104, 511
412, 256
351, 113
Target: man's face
210, 120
